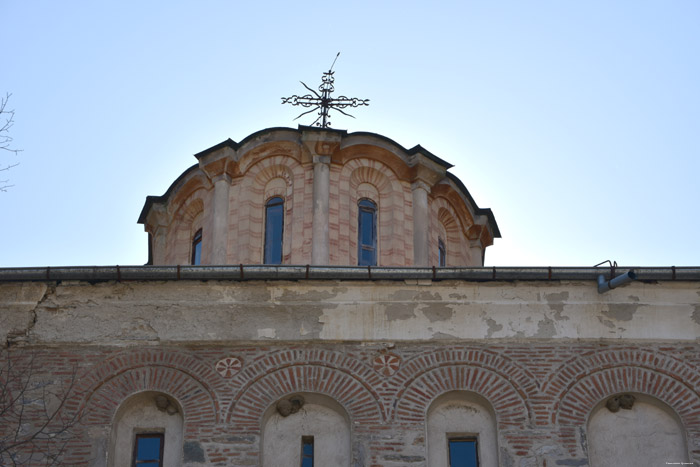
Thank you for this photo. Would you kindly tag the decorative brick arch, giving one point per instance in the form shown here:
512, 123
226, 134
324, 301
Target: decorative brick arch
444, 219
249, 406
509, 406
576, 404
394, 245
249, 206
186, 219
279, 359
570, 373
193, 383
520, 381
254, 153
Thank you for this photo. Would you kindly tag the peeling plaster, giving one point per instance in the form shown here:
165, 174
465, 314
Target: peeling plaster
545, 328
308, 295
555, 301
621, 311
493, 327
266, 332
443, 335
400, 311
438, 312
606, 322
696, 314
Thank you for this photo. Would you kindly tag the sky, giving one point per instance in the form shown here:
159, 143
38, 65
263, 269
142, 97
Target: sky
576, 122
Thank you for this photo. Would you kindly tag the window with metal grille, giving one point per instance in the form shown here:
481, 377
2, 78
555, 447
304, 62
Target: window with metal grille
274, 228
367, 233
148, 450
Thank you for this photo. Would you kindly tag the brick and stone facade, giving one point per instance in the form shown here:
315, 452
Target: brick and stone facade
321, 175
384, 363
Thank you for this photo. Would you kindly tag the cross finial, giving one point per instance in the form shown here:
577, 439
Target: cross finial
324, 102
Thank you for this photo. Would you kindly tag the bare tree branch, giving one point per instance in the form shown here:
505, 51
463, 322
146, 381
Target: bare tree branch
7, 119
35, 425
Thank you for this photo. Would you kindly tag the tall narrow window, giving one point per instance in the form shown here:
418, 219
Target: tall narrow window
274, 225
441, 253
148, 450
197, 248
307, 451
463, 452
367, 233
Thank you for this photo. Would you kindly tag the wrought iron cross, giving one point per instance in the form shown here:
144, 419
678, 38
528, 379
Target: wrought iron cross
324, 102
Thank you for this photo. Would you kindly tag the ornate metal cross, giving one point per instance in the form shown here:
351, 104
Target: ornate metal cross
324, 102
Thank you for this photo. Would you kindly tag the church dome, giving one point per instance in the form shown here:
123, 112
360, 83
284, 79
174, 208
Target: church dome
317, 196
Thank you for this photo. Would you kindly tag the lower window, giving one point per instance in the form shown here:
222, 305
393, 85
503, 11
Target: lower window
148, 450
463, 452
307, 451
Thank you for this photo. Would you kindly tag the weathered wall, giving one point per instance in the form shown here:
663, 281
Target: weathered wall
215, 312
544, 356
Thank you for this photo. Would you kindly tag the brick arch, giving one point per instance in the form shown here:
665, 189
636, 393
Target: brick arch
395, 239
198, 405
510, 407
248, 407
179, 238
568, 373
577, 403
149, 370
284, 149
445, 218
249, 207
523, 382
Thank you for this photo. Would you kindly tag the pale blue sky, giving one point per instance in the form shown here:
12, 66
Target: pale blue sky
577, 122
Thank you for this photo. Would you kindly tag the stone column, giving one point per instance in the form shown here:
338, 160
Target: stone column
421, 224
158, 245
220, 223
322, 180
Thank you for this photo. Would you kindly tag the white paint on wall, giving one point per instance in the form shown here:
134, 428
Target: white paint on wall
461, 414
139, 414
320, 417
648, 434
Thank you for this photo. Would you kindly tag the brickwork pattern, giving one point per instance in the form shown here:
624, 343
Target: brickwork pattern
542, 394
283, 169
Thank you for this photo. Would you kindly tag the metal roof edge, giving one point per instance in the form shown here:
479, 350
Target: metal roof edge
241, 272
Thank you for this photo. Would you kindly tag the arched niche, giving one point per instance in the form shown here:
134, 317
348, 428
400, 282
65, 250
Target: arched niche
647, 433
147, 412
320, 418
461, 415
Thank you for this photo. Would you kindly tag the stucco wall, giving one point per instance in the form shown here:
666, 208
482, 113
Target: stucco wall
544, 356
220, 311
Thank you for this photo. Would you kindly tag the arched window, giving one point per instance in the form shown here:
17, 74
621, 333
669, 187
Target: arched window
147, 431
442, 254
197, 248
635, 429
274, 227
367, 233
306, 430
461, 431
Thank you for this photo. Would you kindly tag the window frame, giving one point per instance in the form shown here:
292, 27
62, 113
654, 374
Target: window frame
273, 202
306, 441
196, 248
134, 458
462, 439
442, 253
366, 205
